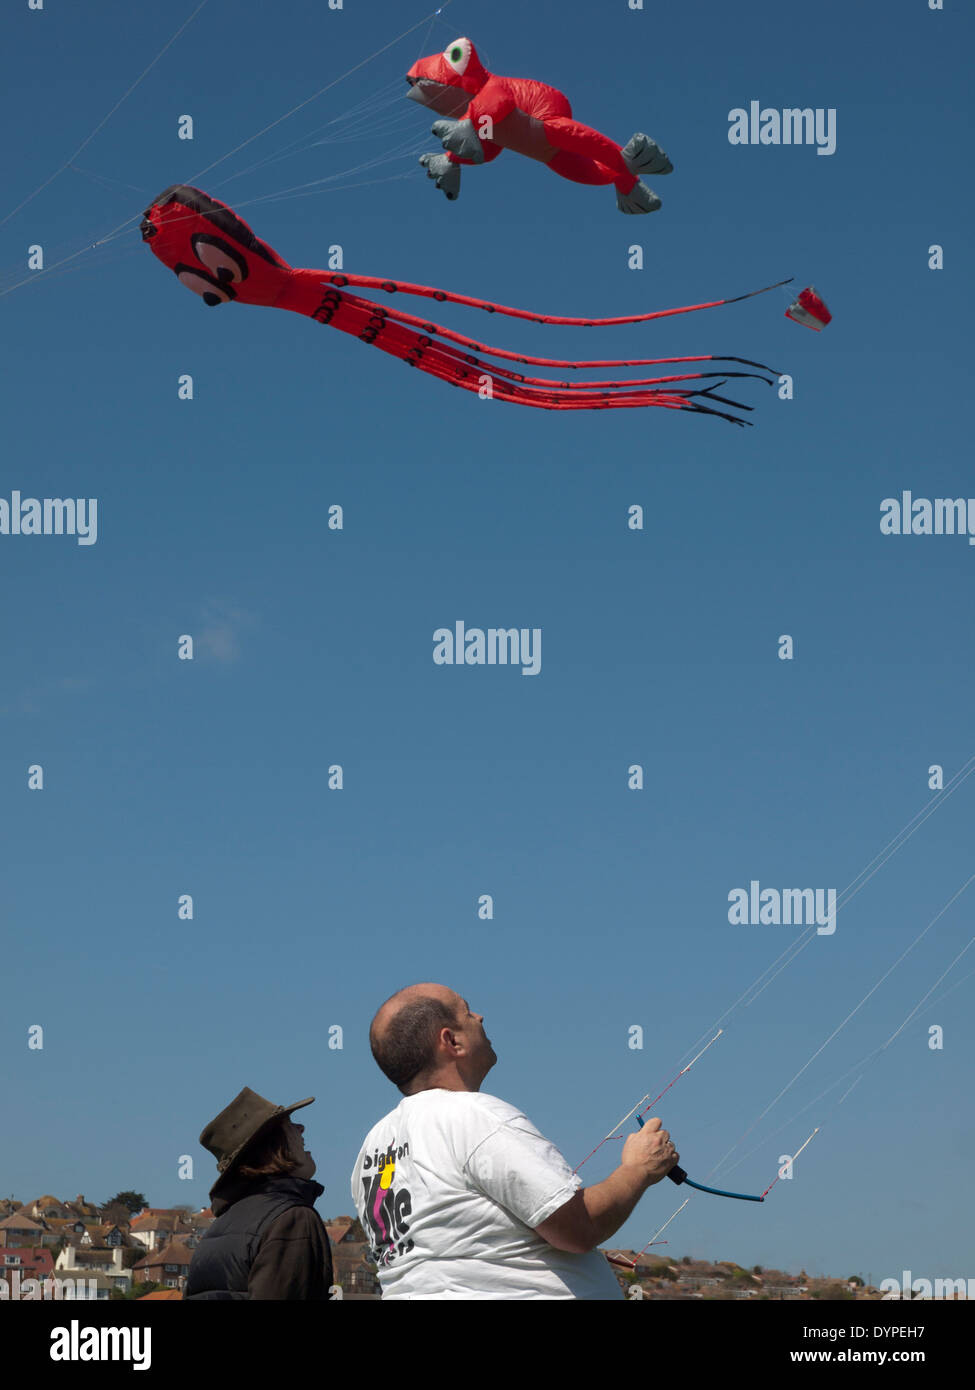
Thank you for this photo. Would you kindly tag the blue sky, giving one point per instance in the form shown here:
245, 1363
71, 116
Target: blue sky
659, 647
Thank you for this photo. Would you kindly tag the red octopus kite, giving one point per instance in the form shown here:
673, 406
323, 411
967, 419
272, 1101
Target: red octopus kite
486, 114
215, 254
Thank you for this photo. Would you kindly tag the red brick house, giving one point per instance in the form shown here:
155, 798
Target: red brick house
350, 1269
169, 1266
33, 1263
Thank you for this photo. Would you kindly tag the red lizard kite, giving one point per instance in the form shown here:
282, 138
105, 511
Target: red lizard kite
486, 114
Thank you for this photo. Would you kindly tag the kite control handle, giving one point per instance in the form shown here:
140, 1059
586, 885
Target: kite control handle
678, 1176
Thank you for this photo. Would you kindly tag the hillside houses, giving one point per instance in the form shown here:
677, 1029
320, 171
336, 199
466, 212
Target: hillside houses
157, 1226
167, 1265
19, 1266
725, 1280
100, 1252
91, 1252
20, 1230
350, 1269
90, 1266
94, 1257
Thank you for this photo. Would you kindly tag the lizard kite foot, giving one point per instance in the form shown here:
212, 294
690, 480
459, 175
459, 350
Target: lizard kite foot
641, 155
459, 138
639, 199
445, 172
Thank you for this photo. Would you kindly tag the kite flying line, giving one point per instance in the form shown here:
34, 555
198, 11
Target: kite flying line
883, 856
678, 1175
871, 1057
786, 957
34, 276
315, 95
840, 1026
859, 1067
617, 1127
760, 983
361, 115
105, 119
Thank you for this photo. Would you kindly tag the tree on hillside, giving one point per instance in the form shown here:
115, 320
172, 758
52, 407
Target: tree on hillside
115, 1214
132, 1201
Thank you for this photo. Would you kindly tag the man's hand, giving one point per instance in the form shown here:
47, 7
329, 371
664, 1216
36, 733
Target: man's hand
650, 1150
595, 1214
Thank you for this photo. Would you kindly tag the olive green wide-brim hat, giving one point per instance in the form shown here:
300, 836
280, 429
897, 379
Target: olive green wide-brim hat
245, 1117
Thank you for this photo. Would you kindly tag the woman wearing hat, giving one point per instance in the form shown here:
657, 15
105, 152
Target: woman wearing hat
268, 1241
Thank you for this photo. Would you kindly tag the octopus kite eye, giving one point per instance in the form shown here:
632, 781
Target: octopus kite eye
458, 55
209, 290
220, 257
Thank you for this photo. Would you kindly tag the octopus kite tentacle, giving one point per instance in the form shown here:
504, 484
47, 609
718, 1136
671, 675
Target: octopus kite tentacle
214, 253
446, 362
527, 360
371, 282
368, 321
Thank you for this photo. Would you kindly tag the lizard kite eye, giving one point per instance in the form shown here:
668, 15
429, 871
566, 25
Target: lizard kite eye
458, 55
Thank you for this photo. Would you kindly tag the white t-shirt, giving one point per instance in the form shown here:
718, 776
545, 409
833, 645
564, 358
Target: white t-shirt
449, 1187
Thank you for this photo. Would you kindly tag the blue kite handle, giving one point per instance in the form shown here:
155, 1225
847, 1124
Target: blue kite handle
678, 1176
715, 1191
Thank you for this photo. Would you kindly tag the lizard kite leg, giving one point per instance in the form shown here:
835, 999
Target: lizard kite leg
586, 156
575, 138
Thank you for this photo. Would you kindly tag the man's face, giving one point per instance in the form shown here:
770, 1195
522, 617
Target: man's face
304, 1163
481, 1056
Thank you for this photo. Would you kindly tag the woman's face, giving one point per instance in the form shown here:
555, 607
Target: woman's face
304, 1164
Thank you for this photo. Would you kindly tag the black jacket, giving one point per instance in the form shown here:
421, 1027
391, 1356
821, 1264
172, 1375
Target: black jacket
268, 1242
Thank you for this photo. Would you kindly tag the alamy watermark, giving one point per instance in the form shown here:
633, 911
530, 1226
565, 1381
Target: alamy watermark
911, 1287
77, 1343
924, 516
17, 1289
493, 646
793, 125
50, 516
800, 907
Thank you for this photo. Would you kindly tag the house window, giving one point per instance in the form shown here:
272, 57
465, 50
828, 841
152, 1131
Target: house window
172, 1269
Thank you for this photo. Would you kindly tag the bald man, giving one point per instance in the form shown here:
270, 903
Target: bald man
460, 1195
